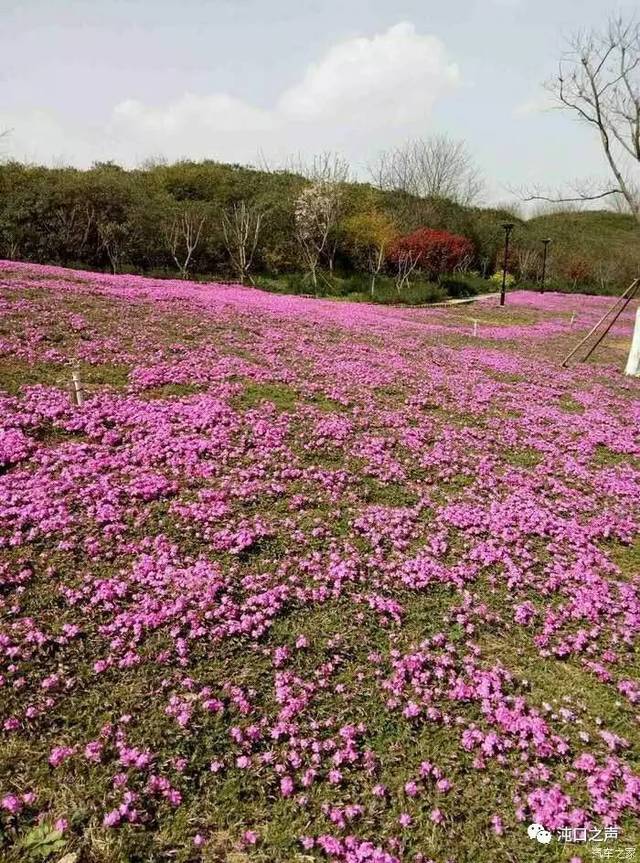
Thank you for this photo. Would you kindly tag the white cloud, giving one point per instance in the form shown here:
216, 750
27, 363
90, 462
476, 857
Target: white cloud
395, 77
363, 93
218, 113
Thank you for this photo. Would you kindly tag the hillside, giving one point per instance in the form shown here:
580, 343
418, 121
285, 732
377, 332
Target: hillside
111, 218
306, 580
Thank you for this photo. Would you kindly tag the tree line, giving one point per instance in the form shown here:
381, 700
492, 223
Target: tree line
240, 223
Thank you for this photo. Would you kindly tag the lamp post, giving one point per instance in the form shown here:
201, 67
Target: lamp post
508, 227
544, 262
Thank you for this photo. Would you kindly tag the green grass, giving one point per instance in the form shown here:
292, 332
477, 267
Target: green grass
254, 392
15, 374
523, 457
167, 391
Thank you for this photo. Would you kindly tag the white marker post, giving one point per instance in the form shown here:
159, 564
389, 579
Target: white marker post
77, 393
475, 327
633, 363
573, 317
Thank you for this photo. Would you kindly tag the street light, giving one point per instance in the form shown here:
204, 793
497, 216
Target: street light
544, 262
508, 227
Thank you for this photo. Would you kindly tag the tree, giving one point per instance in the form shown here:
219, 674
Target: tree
113, 238
182, 235
325, 167
370, 234
406, 262
241, 228
599, 81
527, 262
576, 269
434, 252
316, 215
435, 167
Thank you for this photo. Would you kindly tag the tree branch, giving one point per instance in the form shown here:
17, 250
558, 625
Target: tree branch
573, 200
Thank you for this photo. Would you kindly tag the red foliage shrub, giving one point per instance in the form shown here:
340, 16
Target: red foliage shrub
437, 252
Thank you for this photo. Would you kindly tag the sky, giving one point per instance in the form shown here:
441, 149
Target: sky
247, 81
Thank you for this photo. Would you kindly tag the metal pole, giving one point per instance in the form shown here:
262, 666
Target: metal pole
508, 227
544, 263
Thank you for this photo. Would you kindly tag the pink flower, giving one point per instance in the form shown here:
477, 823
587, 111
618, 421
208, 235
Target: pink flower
93, 751
60, 754
286, 786
112, 819
11, 803
436, 816
411, 789
524, 613
497, 825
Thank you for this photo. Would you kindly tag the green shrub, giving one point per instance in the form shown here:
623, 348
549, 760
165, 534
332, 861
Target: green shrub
420, 293
496, 279
458, 287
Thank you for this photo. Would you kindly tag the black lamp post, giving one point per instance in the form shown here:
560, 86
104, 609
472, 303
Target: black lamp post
544, 263
508, 227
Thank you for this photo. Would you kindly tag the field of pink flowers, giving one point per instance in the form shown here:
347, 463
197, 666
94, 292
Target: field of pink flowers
314, 581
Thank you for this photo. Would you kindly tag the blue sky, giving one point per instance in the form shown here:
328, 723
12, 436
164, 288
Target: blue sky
127, 79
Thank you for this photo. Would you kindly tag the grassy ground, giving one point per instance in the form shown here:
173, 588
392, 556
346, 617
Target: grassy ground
273, 534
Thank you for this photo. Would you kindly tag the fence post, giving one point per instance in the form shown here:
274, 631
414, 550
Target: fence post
77, 392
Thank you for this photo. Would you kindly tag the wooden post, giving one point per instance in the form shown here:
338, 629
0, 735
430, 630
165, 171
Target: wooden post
475, 327
633, 363
573, 317
77, 393
620, 304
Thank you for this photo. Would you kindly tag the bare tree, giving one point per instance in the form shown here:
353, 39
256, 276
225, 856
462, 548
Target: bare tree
599, 80
325, 167
114, 239
330, 171
607, 272
435, 167
316, 215
527, 262
241, 228
72, 224
405, 265
12, 247
182, 236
